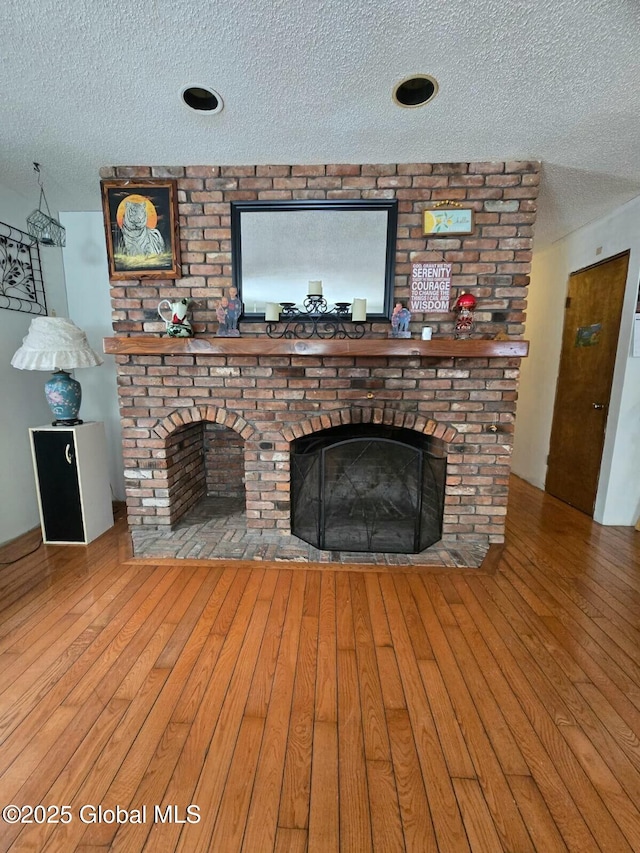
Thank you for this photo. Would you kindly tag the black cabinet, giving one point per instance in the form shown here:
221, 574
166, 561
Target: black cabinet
72, 477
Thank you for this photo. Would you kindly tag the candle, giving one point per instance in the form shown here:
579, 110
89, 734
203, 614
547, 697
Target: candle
315, 288
359, 310
272, 312
427, 333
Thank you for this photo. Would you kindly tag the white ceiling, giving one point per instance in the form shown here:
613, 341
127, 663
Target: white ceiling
88, 84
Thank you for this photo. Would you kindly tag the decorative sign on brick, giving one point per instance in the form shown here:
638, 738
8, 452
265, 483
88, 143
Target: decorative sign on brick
430, 288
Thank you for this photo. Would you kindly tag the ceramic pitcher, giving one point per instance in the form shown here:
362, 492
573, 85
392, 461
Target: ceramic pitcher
176, 320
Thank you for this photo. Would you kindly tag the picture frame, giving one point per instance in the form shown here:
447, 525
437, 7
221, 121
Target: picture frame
448, 220
141, 227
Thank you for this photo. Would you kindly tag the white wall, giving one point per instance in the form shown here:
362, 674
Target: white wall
618, 499
24, 403
87, 280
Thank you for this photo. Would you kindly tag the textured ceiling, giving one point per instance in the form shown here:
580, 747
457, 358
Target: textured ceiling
89, 84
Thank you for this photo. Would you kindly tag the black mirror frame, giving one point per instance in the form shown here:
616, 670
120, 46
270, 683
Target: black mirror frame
390, 205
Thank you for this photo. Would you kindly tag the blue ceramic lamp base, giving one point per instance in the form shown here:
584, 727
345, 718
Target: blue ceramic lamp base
64, 395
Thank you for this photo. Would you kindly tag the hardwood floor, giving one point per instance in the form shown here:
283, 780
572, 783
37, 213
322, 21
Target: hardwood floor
306, 710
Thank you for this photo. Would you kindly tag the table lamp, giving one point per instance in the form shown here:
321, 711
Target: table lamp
56, 343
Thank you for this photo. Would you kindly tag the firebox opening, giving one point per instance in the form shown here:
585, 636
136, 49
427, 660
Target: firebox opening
368, 488
205, 472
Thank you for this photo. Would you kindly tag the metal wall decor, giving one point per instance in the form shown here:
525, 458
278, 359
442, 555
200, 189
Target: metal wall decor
21, 285
315, 319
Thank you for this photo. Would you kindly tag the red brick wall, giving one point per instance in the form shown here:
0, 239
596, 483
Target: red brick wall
185, 472
269, 400
224, 461
493, 262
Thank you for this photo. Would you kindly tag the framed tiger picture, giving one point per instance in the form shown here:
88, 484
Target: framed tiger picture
141, 227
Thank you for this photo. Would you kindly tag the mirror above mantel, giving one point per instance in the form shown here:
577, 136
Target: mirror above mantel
278, 247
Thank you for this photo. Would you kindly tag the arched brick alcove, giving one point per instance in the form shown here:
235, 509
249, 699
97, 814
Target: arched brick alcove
194, 452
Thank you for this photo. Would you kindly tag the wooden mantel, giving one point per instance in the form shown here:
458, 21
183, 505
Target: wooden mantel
265, 346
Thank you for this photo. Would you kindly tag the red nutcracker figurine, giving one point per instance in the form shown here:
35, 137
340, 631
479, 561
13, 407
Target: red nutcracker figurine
465, 305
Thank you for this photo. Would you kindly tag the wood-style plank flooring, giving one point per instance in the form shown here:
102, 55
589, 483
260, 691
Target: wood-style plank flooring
296, 709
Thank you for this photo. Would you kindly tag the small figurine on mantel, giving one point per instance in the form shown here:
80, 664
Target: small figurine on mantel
400, 321
228, 311
464, 306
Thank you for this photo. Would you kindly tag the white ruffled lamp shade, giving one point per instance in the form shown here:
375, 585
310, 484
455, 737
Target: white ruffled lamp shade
56, 343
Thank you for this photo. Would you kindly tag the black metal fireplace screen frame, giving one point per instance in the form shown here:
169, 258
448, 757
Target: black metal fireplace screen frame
368, 488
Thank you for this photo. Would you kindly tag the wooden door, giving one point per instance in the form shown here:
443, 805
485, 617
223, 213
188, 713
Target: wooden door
589, 344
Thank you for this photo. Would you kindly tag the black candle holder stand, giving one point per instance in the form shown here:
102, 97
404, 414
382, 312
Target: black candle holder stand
316, 320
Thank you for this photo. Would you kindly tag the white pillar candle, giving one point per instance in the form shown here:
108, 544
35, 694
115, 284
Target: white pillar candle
272, 312
427, 333
315, 288
359, 310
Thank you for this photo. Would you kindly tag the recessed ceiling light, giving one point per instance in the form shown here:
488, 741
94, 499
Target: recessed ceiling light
415, 91
202, 99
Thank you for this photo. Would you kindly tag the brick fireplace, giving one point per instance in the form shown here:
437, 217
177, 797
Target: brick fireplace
219, 416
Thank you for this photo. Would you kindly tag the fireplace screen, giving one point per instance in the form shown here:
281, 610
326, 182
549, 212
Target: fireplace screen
368, 488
